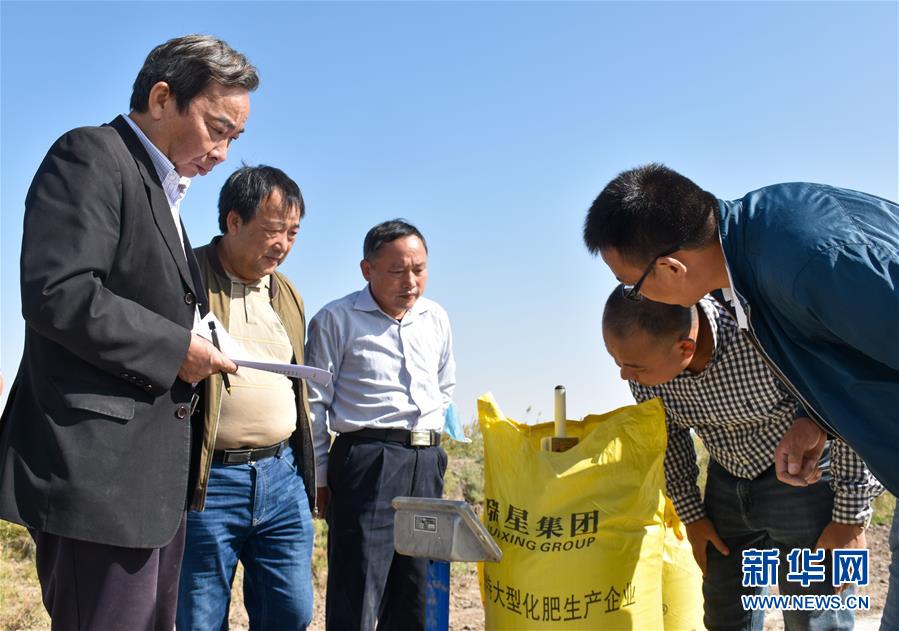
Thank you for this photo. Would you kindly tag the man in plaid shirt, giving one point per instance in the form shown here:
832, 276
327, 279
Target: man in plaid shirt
711, 379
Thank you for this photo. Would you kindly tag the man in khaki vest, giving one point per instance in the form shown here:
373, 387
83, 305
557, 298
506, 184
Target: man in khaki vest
257, 475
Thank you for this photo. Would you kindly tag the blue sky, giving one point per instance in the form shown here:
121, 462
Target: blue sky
492, 126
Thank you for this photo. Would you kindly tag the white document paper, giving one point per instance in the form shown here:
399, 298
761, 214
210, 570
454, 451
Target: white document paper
297, 371
235, 353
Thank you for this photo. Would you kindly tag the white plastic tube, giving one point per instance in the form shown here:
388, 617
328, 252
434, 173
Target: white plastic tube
560, 412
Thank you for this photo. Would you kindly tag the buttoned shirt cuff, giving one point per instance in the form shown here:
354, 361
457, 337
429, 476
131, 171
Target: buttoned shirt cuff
689, 507
852, 508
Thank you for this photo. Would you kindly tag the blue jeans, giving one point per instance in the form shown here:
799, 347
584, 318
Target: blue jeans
258, 514
890, 619
764, 513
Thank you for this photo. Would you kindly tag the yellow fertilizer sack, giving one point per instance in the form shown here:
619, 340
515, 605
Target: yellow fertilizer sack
583, 531
682, 604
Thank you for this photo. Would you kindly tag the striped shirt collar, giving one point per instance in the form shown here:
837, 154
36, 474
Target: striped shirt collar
173, 184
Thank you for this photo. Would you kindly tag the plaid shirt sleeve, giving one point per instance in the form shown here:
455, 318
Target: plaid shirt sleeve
681, 471
854, 486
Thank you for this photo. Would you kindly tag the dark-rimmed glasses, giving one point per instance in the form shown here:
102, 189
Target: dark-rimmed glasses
632, 292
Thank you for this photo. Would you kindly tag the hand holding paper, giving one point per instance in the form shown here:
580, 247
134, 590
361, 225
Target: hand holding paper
233, 351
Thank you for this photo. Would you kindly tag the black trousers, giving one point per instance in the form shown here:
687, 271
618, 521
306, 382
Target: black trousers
370, 586
96, 587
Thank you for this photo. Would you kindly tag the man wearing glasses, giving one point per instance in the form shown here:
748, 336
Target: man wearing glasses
632, 292
811, 273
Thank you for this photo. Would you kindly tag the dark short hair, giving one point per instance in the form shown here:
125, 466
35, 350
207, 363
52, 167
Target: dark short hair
189, 64
623, 317
644, 211
388, 231
248, 187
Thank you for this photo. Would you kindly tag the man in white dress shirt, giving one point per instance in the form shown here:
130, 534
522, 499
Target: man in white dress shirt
390, 351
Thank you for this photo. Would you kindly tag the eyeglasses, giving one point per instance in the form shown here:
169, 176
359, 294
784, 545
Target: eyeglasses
632, 292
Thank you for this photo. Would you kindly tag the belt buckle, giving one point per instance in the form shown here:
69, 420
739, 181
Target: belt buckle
420, 438
237, 456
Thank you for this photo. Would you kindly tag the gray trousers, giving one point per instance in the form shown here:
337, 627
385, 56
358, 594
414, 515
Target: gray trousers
96, 587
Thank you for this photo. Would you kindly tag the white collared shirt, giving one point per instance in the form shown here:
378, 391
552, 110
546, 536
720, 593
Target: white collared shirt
388, 373
173, 184
731, 296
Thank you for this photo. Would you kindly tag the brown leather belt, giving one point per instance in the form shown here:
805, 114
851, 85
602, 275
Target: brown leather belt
410, 438
244, 456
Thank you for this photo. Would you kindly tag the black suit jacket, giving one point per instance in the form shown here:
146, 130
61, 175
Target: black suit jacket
95, 437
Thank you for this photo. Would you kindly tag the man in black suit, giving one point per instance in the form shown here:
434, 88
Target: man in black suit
95, 440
